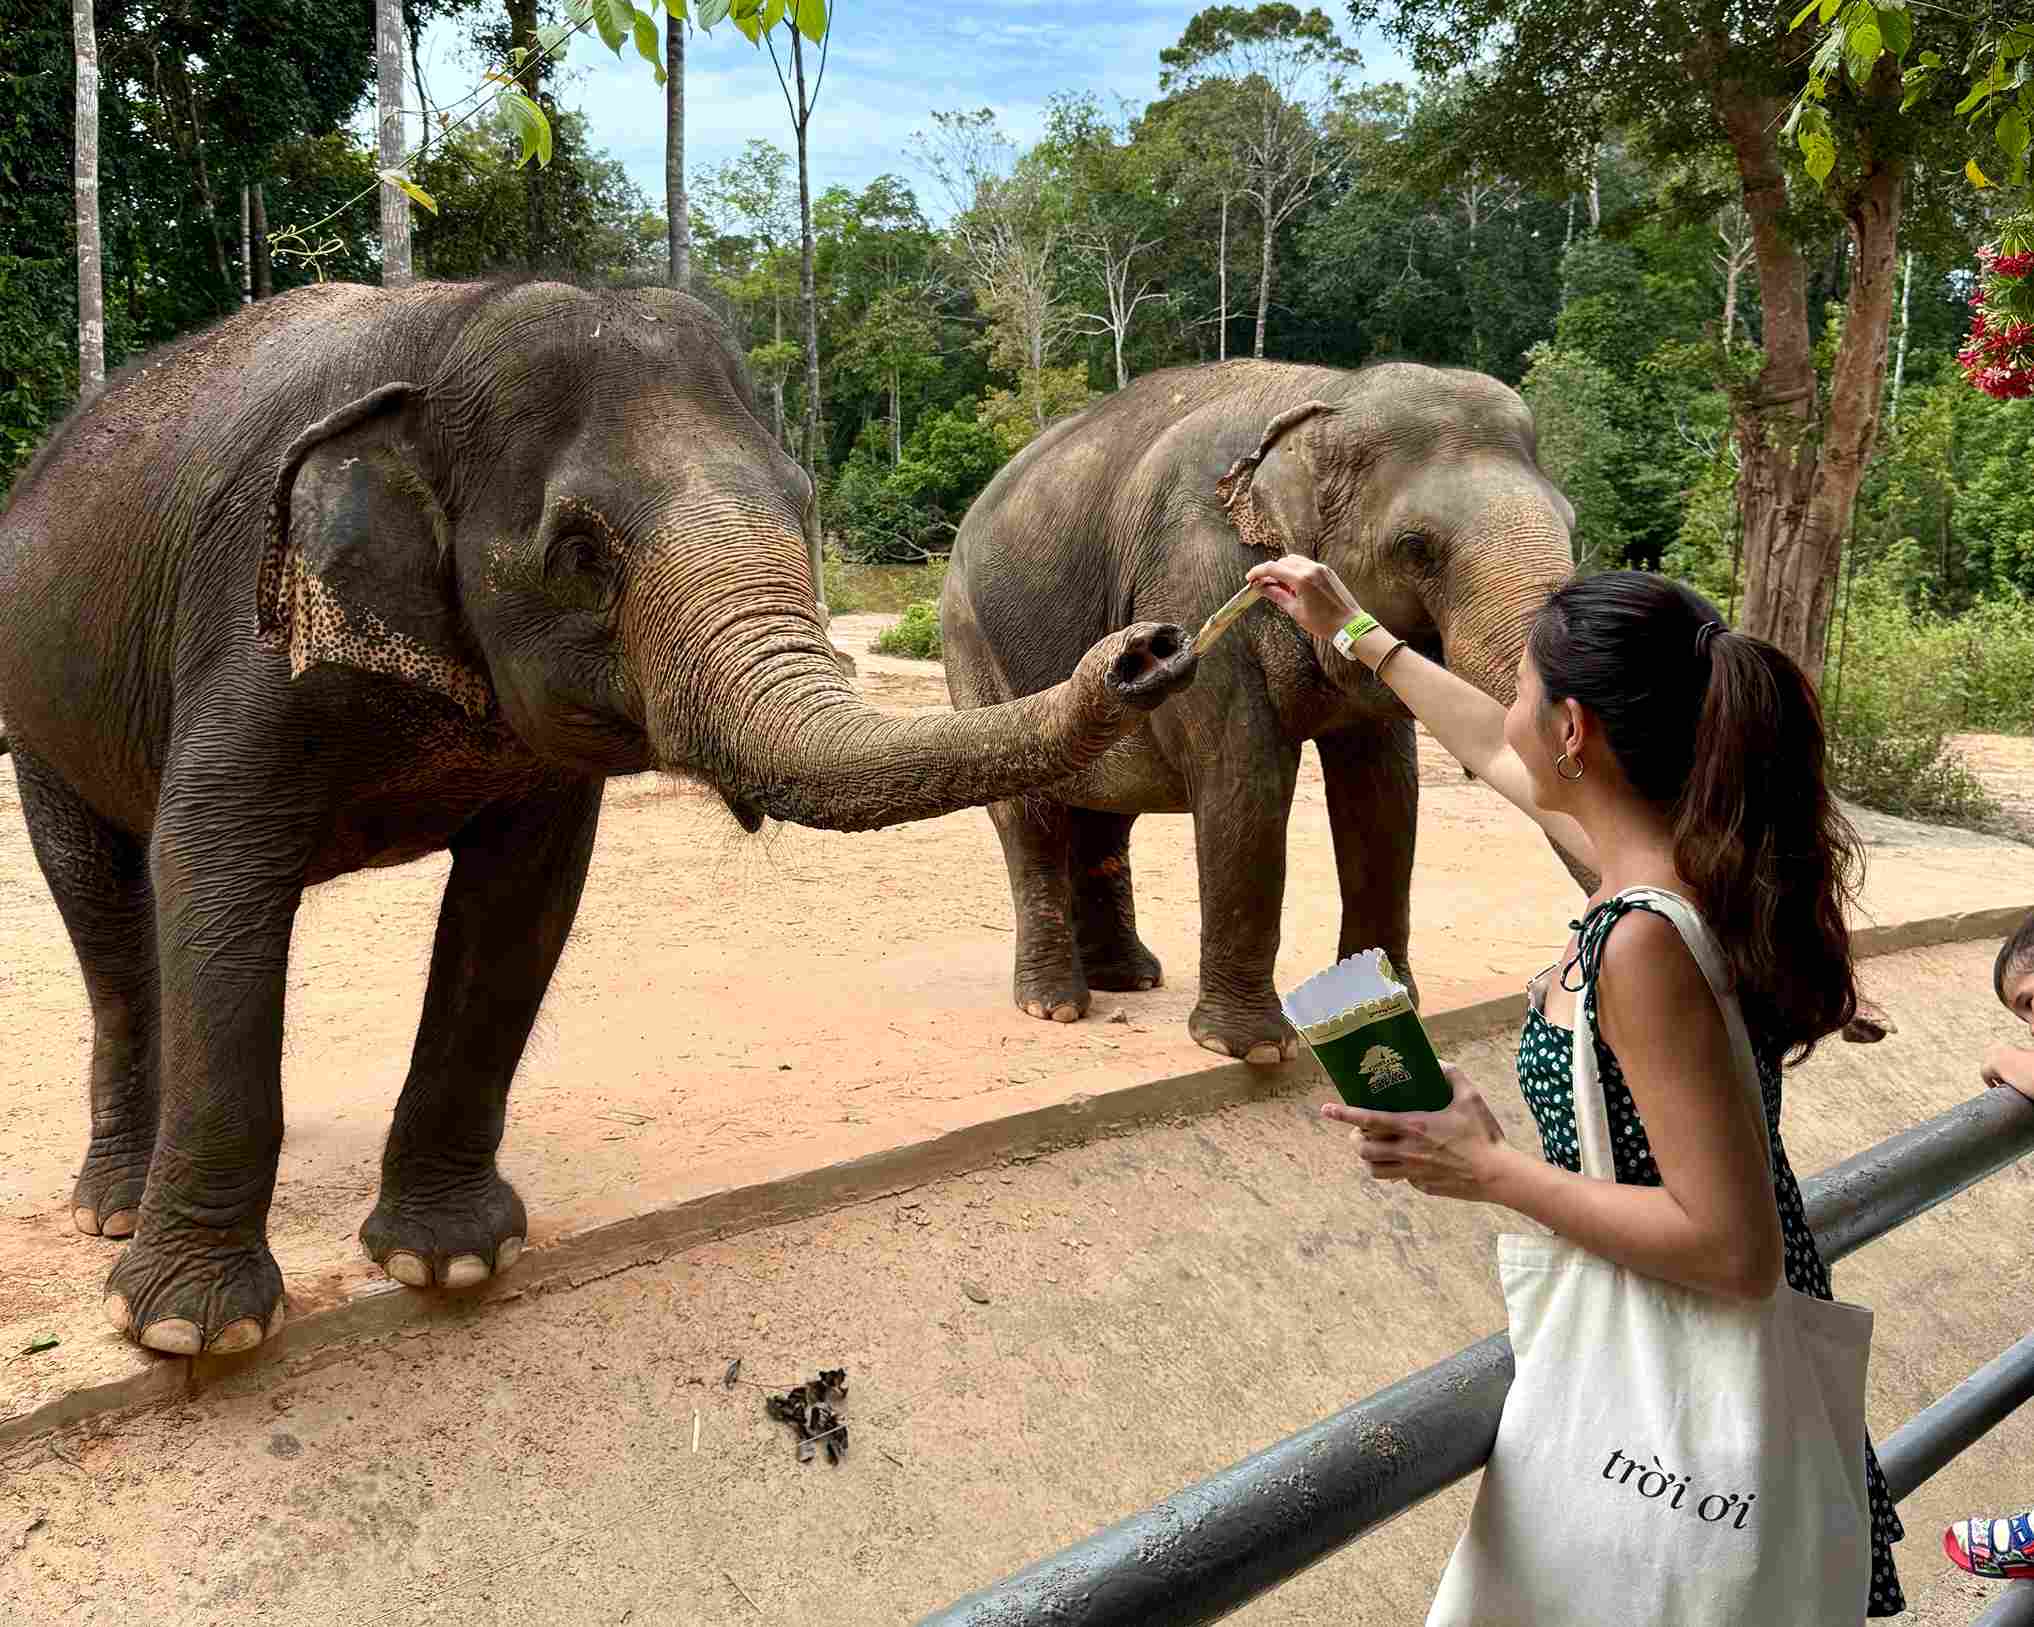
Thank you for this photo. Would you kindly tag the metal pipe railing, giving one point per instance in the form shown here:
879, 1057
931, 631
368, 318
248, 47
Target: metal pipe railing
1937, 1433
1205, 1551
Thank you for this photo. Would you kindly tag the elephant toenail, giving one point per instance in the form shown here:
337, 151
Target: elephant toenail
507, 1253
1065, 1014
408, 1269
242, 1334
1263, 1056
116, 1311
275, 1320
86, 1220
120, 1223
1215, 1045
174, 1336
464, 1270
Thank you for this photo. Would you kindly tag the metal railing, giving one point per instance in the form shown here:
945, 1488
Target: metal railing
1206, 1551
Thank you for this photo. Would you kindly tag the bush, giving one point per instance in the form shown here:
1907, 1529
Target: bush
837, 578
1897, 768
916, 635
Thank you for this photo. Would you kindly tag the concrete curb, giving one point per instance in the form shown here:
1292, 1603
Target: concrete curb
382, 1308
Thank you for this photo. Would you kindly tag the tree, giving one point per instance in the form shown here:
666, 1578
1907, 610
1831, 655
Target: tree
752, 213
1694, 82
1008, 237
395, 204
1288, 68
1114, 216
91, 298
894, 345
677, 210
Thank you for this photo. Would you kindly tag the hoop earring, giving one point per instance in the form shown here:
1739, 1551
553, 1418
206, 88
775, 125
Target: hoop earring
1560, 774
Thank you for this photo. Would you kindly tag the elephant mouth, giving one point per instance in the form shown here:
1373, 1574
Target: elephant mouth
746, 813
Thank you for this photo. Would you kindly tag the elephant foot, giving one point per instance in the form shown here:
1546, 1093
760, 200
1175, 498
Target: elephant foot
1053, 997
185, 1295
106, 1201
430, 1235
1131, 970
1263, 1039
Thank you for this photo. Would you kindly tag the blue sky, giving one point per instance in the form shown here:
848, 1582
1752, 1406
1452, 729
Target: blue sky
891, 65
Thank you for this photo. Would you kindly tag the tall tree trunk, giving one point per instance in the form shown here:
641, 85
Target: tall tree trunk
1798, 478
85, 176
412, 28
676, 207
264, 270
1733, 269
1900, 355
1222, 280
522, 23
201, 176
1595, 189
388, 98
1264, 281
246, 248
896, 420
777, 378
810, 300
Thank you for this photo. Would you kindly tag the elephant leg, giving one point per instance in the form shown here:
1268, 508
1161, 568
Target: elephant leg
1036, 835
1105, 911
99, 878
445, 1214
1241, 805
1373, 785
227, 861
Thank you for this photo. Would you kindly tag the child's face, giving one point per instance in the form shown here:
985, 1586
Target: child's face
2020, 993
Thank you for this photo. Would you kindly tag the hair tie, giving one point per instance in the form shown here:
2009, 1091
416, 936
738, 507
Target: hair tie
1703, 634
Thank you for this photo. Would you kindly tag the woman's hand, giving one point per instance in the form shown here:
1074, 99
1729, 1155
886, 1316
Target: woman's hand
1307, 591
1456, 1153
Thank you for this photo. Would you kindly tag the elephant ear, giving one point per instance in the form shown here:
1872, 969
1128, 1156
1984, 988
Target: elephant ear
1267, 513
358, 569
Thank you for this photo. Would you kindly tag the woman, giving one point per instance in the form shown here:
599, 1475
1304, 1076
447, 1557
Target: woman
1662, 750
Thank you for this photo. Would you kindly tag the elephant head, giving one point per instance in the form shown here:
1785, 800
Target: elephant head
1421, 488
581, 526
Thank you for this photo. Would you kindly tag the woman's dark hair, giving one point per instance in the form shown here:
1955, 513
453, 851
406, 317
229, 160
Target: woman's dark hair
1723, 732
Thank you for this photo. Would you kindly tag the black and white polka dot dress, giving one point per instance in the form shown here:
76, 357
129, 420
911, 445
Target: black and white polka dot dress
1545, 1062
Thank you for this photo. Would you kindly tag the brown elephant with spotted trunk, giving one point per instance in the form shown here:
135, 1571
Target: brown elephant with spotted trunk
1418, 485
358, 576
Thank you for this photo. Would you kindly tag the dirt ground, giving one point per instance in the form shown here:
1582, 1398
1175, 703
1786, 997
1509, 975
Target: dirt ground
733, 1010
1157, 1306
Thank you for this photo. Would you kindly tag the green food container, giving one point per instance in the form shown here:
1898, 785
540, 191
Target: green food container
1359, 1022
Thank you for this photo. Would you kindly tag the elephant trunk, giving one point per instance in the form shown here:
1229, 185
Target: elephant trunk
1491, 606
739, 686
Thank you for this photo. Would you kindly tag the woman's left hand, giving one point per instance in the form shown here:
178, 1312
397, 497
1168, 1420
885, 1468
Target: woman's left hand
1454, 1153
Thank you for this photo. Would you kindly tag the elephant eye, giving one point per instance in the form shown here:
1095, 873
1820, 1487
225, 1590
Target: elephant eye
580, 570
1414, 548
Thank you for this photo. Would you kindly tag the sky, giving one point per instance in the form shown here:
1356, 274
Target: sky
891, 64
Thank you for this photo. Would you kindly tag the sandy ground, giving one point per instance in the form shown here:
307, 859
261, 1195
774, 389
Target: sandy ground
733, 1010
1158, 1305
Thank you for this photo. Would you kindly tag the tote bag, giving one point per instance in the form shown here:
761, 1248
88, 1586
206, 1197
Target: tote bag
1666, 1456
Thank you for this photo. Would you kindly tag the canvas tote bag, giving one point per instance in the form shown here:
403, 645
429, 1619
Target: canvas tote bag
1666, 1456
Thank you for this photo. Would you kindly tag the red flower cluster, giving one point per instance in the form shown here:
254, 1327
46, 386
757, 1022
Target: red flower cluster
1998, 357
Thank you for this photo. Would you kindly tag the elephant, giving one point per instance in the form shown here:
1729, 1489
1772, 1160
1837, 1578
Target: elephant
360, 575
1419, 485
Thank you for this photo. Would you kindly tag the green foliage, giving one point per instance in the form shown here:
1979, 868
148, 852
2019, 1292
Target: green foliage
916, 635
889, 514
38, 362
1574, 403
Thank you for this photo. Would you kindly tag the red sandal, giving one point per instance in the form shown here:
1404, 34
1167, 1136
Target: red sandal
2000, 1550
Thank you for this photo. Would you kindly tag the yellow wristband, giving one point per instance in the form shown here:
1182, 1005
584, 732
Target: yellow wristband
1359, 624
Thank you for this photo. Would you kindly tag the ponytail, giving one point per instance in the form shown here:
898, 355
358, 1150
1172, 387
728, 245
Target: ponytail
1760, 839
1723, 733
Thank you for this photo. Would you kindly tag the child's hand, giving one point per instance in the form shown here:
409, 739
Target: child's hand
1454, 1153
2011, 1065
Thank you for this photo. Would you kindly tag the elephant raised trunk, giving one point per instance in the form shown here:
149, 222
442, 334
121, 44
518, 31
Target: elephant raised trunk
740, 687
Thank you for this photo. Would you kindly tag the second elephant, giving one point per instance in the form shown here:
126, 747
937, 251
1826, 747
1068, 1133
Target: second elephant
1418, 485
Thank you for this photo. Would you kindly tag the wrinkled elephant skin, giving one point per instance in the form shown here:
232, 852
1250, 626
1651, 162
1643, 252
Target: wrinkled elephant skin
1419, 486
361, 575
